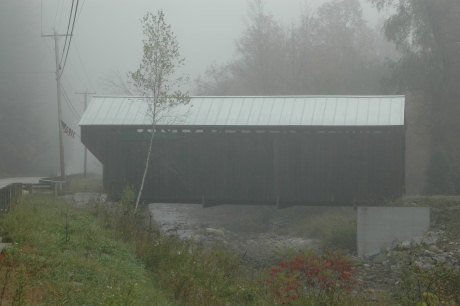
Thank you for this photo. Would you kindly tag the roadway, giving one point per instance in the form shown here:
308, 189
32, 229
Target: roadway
25, 180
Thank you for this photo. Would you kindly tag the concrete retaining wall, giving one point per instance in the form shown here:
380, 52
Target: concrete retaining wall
379, 227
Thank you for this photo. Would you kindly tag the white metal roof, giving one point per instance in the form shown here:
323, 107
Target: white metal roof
253, 111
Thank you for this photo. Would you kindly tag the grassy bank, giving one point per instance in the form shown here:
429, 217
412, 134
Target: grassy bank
63, 255
105, 255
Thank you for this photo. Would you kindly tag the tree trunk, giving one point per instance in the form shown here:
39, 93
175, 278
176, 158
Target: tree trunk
145, 170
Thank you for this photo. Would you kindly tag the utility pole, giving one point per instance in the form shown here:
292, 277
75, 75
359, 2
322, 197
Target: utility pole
85, 156
58, 86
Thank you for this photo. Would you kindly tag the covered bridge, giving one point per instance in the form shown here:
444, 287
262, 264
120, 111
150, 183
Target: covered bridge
293, 150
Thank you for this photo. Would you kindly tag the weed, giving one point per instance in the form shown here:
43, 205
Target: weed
94, 267
439, 284
335, 229
303, 275
19, 293
78, 183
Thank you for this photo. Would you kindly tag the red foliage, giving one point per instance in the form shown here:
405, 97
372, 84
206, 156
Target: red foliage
310, 274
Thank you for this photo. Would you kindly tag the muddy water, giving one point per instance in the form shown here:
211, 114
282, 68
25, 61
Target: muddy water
253, 232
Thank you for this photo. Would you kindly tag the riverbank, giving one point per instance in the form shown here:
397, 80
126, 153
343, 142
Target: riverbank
89, 251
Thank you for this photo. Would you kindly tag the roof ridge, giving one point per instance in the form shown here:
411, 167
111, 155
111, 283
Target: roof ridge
269, 96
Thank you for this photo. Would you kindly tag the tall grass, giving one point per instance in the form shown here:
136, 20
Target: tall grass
62, 255
107, 254
188, 272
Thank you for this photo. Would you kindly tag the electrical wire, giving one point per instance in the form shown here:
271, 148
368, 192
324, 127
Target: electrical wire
67, 32
69, 103
41, 17
71, 34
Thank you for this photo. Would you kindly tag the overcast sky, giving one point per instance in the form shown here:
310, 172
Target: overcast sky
108, 33
107, 39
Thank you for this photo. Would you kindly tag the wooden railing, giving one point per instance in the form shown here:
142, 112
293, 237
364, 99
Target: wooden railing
9, 196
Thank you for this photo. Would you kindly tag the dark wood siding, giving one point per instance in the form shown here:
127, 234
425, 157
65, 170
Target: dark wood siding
302, 166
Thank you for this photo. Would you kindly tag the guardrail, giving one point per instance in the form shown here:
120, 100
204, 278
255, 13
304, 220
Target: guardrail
9, 196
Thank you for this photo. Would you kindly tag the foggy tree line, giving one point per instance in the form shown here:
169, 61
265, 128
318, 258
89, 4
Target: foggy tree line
427, 35
332, 50
328, 51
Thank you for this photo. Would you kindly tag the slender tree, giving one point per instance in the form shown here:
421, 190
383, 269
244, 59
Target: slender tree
156, 79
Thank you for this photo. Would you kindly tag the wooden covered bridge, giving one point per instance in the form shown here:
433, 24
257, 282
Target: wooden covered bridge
293, 150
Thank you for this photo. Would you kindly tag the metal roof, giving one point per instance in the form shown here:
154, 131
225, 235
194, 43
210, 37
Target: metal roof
252, 111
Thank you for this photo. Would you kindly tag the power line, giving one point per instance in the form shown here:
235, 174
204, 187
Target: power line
67, 32
41, 17
71, 34
71, 110
71, 107
69, 103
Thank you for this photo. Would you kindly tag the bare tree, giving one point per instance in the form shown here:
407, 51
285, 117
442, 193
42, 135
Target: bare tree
116, 82
155, 79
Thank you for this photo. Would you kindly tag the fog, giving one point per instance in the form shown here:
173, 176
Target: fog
302, 127
107, 43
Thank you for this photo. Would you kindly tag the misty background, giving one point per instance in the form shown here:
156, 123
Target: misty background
235, 47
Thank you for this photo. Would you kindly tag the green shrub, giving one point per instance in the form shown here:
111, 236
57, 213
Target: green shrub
437, 285
128, 197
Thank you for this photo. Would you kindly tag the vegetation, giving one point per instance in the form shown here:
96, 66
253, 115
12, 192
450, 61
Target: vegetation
439, 285
187, 272
311, 279
62, 255
334, 227
330, 50
106, 254
78, 183
426, 34
111, 254
155, 78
